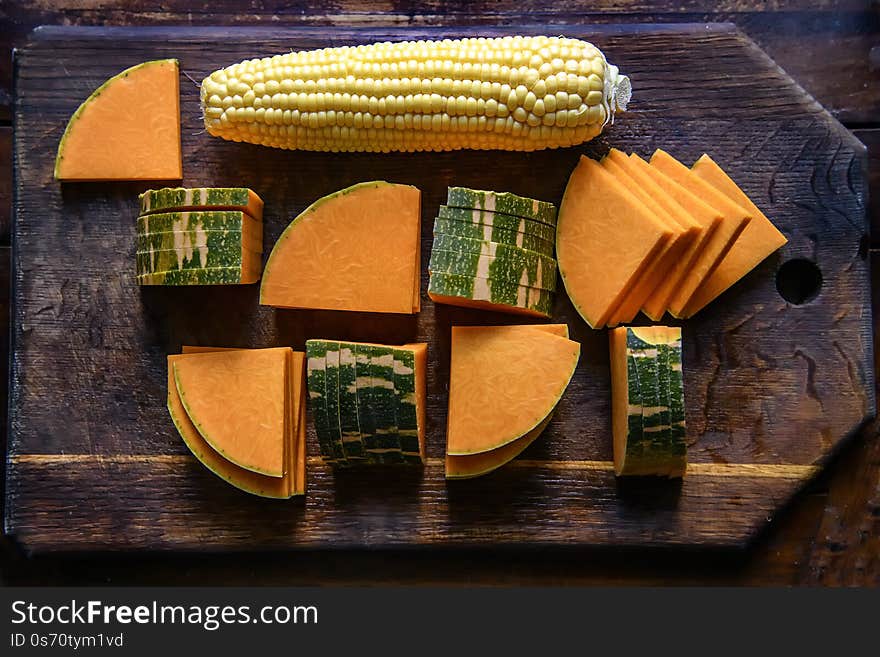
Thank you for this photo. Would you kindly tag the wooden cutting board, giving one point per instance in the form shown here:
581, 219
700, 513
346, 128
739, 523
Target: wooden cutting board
772, 387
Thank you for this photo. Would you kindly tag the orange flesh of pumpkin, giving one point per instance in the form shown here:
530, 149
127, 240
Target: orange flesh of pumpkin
237, 400
356, 250
420, 350
129, 129
504, 381
759, 239
735, 220
417, 275
298, 422
474, 465
296, 472
605, 239
619, 394
239, 477
648, 177
663, 263
722, 234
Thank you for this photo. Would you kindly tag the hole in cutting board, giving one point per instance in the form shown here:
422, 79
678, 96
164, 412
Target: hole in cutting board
799, 281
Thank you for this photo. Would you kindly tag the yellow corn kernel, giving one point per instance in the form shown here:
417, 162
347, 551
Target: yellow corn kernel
509, 93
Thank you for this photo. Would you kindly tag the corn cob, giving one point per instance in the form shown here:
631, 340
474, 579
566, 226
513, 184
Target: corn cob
512, 93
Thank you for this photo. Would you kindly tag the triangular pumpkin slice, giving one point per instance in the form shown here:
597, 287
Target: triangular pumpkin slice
128, 129
605, 240
706, 221
250, 482
735, 220
758, 240
504, 381
356, 250
663, 263
238, 401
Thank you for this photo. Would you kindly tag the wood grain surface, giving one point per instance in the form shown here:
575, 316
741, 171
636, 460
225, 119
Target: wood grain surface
772, 388
824, 45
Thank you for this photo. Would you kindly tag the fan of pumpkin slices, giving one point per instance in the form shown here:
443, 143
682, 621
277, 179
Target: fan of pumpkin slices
655, 237
241, 412
505, 383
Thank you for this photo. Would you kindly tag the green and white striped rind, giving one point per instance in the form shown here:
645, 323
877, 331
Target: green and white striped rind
662, 365
676, 391
168, 222
405, 399
502, 293
387, 449
331, 383
348, 406
496, 220
149, 262
634, 402
196, 239
155, 200
510, 238
365, 402
213, 276
646, 357
316, 367
500, 263
655, 450
520, 206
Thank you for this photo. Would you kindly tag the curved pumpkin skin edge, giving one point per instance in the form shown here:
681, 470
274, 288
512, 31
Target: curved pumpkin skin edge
198, 457
530, 437
559, 219
208, 440
375, 184
561, 395
97, 92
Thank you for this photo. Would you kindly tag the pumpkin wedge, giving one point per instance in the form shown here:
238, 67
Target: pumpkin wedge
706, 222
504, 381
127, 129
735, 220
474, 465
250, 482
357, 249
238, 402
605, 240
664, 263
758, 240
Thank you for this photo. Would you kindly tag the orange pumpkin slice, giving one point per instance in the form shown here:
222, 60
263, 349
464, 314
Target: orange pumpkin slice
617, 163
250, 482
504, 381
474, 465
605, 240
735, 220
295, 477
758, 240
128, 129
238, 402
357, 249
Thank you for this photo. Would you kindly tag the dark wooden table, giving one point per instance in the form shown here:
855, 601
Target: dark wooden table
830, 535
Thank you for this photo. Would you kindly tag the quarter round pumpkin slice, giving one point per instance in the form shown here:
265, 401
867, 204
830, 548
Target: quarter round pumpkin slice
504, 381
249, 482
356, 249
237, 400
127, 129
474, 465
